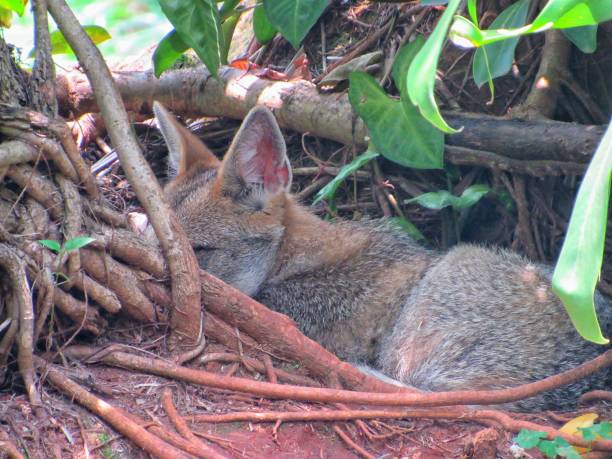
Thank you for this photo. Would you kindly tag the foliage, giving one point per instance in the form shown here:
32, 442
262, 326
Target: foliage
68, 246
579, 263
328, 192
558, 446
441, 199
402, 137
294, 18
494, 60
59, 45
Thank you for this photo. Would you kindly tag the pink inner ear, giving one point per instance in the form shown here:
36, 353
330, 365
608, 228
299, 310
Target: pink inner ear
271, 164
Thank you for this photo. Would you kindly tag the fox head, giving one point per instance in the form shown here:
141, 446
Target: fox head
231, 210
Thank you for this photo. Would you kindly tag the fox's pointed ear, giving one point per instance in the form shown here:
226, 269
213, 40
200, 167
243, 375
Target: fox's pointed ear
256, 165
185, 150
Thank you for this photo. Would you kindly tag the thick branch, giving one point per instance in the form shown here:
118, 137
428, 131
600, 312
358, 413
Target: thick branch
186, 315
299, 106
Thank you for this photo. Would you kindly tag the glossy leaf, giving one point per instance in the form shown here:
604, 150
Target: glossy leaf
198, 24
59, 45
421, 76
529, 438
407, 226
585, 37
294, 18
78, 242
328, 192
560, 14
18, 6
50, 244
440, 199
262, 27
168, 50
577, 270
494, 60
404, 138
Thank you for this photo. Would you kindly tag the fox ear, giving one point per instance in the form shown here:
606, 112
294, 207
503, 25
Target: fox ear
256, 165
185, 150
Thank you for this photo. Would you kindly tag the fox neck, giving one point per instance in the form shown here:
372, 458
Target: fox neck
310, 243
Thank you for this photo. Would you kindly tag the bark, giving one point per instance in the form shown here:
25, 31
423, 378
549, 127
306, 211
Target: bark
299, 106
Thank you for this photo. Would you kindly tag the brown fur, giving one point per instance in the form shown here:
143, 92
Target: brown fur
471, 318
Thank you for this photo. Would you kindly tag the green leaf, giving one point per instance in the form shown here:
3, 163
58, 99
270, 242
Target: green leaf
197, 23
499, 56
569, 452
18, 6
403, 59
602, 429
400, 136
328, 192
440, 199
548, 448
585, 37
560, 14
59, 45
168, 50
579, 263
529, 438
294, 18
262, 27
50, 244
77, 242
408, 227
421, 76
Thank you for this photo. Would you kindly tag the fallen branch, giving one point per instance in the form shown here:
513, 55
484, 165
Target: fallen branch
299, 106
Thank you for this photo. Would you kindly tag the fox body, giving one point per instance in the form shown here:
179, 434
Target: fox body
471, 318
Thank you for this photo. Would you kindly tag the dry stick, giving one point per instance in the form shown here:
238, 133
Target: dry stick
49, 147
187, 314
349, 441
116, 417
180, 424
461, 413
300, 107
15, 269
43, 72
265, 389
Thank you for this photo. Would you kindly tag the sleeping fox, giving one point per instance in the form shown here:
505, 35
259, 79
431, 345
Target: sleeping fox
469, 318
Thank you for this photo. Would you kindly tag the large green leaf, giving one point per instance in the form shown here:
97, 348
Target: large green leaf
328, 192
560, 14
197, 23
294, 18
421, 76
579, 263
59, 45
50, 244
492, 61
585, 37
18, 6
168, 50
407, 139
440, 199
262, 27
78, 242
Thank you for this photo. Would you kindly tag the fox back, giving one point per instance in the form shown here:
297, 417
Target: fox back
472, 318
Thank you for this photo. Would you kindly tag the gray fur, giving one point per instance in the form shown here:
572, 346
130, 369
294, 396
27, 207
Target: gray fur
471, 318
